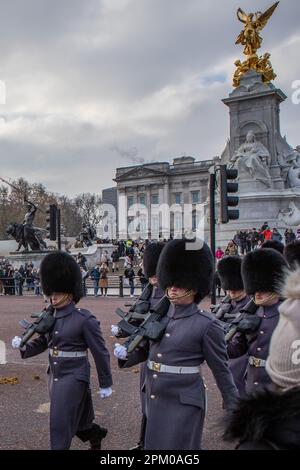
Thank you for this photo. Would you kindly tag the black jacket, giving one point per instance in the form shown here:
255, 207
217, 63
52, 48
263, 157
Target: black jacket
266, 421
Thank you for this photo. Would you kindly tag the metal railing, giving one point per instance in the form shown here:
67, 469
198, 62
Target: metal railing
117, 286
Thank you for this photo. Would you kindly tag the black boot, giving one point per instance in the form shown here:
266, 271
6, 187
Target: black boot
95, 435
141, 443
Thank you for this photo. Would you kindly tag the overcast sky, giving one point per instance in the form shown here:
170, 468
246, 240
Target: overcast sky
96, 84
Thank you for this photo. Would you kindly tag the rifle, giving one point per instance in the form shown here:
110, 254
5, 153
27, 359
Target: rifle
136, 314
221, 309
246, 322
43, 323
152, 328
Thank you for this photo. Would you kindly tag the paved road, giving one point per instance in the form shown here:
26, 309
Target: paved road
24, 407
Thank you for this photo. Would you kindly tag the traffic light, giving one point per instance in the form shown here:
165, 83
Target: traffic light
52, 222
226, 200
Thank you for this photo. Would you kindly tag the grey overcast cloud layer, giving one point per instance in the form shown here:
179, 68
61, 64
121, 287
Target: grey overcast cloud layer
96, 84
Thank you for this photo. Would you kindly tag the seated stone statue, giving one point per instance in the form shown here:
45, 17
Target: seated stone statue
252, 161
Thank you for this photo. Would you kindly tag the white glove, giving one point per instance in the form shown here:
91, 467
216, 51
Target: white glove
105, 392
120, 351
16, 341
115, 330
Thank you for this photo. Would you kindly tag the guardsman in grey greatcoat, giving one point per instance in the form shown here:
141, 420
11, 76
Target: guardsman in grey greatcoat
150, 260
229, 271
74, 332
175, 400
263, 273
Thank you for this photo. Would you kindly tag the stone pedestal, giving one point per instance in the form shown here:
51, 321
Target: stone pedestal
92, 253
257, 208
255, 106
20, 258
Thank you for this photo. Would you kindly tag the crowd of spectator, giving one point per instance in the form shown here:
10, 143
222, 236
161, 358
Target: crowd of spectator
13, 280
245, 241
131, 253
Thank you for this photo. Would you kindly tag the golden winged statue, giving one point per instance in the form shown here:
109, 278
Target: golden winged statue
254, 23
251, 39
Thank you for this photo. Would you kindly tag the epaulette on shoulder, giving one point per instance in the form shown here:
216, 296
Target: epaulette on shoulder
206, 314
83, 312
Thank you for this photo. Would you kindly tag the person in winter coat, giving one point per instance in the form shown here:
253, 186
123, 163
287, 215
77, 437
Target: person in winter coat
74, 332
276, 236
263, 273
95, 276
232, 249
289, 236
115, 257
130, 275
267, 234
103, 279
219, 253
292, 254
150, 260
229, 270
270, 420
175, 397
254, 237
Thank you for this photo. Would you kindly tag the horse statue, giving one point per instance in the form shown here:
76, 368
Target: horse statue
33, 237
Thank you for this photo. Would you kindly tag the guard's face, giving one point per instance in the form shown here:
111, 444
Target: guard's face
153, 281
236, 294
178, 295
60, 298
264, 296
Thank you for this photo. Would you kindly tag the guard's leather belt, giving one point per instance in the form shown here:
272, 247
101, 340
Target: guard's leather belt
56, 353
256, 362
157, 367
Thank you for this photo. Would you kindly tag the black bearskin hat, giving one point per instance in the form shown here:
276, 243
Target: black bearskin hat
263, 270
275, 244
151, 256
60, 273
188, 265
292, 254
229, 270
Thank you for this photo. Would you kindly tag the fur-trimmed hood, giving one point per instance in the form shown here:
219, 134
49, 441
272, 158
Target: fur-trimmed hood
291, 288
268, 416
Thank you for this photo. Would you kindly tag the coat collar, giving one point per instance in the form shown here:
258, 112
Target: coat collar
241, 303
182, 311
65, 311
271, 311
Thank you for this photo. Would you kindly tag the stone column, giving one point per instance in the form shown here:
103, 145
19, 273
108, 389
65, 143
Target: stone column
122, 214
148, 205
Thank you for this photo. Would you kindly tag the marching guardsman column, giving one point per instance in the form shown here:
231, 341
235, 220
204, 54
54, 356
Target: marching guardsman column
229, 270
150, 260
75, 330
175, 395
263, 274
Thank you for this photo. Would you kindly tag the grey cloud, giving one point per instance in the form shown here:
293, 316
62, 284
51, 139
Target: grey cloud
99, 84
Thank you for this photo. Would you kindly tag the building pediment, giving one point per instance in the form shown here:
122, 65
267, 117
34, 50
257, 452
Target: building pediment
139, 173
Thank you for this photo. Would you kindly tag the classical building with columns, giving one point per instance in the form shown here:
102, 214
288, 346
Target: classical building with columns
158, 193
